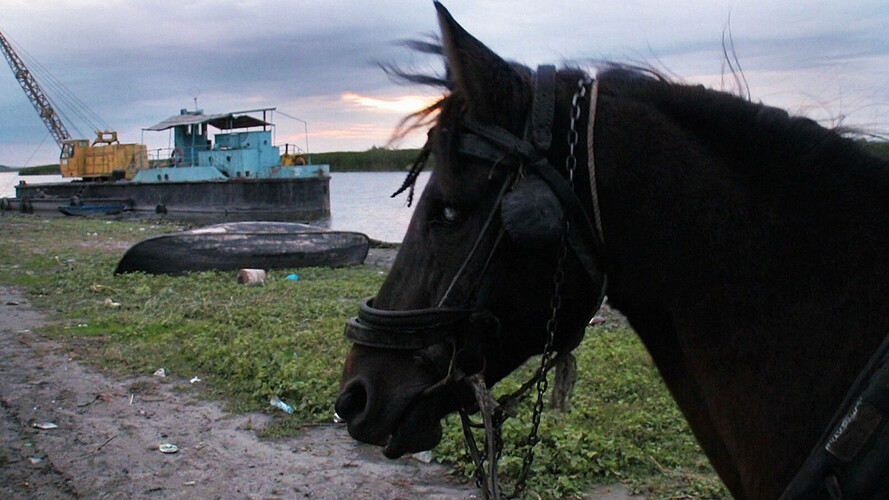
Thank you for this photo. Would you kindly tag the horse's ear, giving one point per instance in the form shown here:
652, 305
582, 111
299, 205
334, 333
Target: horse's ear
491, 85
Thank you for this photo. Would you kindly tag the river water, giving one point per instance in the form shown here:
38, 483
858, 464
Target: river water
359, 201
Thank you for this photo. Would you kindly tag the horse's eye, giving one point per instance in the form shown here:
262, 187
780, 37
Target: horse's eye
450, 215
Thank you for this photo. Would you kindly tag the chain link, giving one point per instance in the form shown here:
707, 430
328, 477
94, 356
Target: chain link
495, 419
552, 324
573, 134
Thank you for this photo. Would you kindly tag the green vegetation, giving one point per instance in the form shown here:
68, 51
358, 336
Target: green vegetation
878, 146
622, 427
51, 169
373, 160
285, 338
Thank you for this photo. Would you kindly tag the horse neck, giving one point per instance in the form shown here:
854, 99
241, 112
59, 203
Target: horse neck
758, 296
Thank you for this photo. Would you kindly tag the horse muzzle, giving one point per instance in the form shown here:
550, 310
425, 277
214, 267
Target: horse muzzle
390, 395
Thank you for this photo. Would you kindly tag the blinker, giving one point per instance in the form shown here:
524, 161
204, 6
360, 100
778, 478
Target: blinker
532, 214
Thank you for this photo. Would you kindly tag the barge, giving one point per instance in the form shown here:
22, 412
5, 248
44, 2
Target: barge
239, 175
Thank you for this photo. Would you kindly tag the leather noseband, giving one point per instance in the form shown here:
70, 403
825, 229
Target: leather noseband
407, 329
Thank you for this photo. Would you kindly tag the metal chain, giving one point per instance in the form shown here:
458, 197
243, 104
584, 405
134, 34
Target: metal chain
552, 325
495, 413
573, 134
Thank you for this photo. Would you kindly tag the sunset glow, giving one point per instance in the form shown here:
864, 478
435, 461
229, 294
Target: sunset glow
403, 105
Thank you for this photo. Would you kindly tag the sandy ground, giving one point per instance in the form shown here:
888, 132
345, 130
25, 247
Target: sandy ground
106, 443
109, 430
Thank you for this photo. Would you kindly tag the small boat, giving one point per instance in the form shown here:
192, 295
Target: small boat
240, 245
93, 209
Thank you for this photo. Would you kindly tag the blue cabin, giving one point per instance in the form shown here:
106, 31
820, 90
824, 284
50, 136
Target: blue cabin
236, 152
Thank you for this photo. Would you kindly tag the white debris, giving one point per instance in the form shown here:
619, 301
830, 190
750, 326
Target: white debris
167, 448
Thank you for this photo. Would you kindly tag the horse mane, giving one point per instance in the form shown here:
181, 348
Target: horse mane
749, 135
424, 118
752, 135
429, 116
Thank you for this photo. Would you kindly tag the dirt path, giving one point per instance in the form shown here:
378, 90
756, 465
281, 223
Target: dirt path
106, 442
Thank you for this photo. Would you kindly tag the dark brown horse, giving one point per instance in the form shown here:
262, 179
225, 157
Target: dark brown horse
748, 249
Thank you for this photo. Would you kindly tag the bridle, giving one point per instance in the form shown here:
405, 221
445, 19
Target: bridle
418, 329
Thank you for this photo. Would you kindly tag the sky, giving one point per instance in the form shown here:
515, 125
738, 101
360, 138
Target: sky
133, 63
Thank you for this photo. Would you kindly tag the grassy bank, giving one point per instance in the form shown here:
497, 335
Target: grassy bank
285, 339
51, 169
372, 160
881, 147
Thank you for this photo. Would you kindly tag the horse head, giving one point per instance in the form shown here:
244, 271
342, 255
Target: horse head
497, 238
744, 246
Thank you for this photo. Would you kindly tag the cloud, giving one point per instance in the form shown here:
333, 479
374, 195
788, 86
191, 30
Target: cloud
136, 62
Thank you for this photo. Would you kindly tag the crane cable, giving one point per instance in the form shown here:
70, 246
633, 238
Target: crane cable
70, 103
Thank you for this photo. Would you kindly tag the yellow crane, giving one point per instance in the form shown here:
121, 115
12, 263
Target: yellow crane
103, 159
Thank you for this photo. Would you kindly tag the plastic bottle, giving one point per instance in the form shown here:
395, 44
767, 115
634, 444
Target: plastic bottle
281, 404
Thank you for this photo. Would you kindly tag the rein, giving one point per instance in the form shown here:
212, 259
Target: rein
850, 460
421, 328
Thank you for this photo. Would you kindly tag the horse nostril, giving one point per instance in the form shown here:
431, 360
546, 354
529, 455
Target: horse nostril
352, 401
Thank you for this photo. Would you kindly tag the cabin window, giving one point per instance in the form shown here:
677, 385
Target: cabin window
247, 173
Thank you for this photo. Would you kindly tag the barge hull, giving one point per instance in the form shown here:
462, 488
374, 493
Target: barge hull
284, 199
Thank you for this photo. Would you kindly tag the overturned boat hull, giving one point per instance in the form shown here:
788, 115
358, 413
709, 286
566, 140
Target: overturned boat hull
259, 245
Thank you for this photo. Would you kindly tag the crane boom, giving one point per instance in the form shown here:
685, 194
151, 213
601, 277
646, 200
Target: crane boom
104, 159
35, 93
